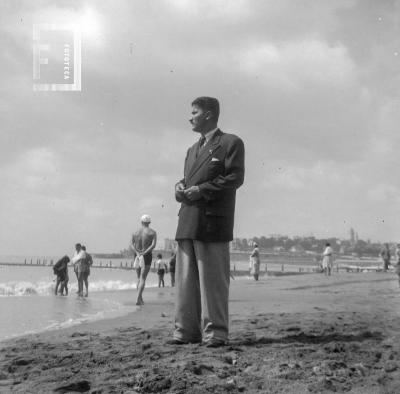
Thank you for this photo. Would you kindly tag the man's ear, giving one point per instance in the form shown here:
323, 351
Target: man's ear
209, 115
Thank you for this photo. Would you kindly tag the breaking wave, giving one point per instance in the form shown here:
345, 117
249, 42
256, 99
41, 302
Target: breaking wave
47, 288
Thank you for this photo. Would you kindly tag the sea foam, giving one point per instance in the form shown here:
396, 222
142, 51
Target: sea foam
42, 288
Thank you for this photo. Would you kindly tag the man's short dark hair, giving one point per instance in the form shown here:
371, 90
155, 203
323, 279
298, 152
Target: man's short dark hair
159, 256
208, 104
78, 245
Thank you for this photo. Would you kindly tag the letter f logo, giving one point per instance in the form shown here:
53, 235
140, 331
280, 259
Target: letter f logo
37, 49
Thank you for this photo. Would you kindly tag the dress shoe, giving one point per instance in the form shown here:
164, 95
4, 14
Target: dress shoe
214, 343
175, 341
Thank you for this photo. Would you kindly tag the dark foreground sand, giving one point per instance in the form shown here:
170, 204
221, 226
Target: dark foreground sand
292, 334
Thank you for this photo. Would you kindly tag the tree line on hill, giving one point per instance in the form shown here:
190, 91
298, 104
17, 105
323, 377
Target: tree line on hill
308, 244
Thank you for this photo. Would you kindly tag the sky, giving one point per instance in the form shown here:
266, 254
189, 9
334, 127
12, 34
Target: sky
311, 87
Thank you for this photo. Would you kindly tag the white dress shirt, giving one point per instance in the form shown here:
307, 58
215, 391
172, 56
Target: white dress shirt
210, 134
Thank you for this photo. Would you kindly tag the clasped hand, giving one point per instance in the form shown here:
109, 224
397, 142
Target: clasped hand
192, 193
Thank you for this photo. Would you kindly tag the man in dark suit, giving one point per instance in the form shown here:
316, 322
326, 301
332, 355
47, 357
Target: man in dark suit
214, 169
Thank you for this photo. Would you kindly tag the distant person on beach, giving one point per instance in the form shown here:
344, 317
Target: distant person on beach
213, 170
255, 262
327, 259
250, 266
78, 249
61, 270
85, 270
161, 268
143, 243
172, 263
77, 259
397, 257
385, 255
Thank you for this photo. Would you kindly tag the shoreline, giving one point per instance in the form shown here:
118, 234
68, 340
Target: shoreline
92, 321
147, 318
243, 275
131, 293
294, 334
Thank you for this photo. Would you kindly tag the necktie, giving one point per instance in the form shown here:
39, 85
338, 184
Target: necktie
202, 141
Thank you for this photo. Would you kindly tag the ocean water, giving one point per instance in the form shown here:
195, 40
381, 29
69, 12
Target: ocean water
28, 303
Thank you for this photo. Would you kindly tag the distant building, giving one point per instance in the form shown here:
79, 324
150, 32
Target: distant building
277, 236
352, 236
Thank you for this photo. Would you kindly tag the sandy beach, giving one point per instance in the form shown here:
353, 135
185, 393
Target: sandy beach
289, 334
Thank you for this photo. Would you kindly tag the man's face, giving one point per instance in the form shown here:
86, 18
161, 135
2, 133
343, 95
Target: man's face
198, 119
77, 248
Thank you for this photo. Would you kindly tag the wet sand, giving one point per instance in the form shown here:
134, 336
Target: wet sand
290, 334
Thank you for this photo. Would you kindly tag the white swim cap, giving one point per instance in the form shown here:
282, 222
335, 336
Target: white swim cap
145, 219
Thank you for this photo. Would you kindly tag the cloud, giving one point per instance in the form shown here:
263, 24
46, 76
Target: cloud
309, 86
222, 10
384, 143
294, 65
384, 193
72, 203
34, 170
319, 176
159, 179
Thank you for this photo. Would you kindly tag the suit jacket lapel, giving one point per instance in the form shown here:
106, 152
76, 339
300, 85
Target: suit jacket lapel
205, 152
190, 159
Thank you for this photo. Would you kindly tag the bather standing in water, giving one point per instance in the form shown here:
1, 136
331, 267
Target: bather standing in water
85, 270
61, 270
143, 243
79, 256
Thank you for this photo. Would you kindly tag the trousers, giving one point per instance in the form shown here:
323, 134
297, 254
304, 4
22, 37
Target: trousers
202, 291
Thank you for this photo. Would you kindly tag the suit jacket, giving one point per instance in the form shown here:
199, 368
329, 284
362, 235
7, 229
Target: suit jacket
218, 170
